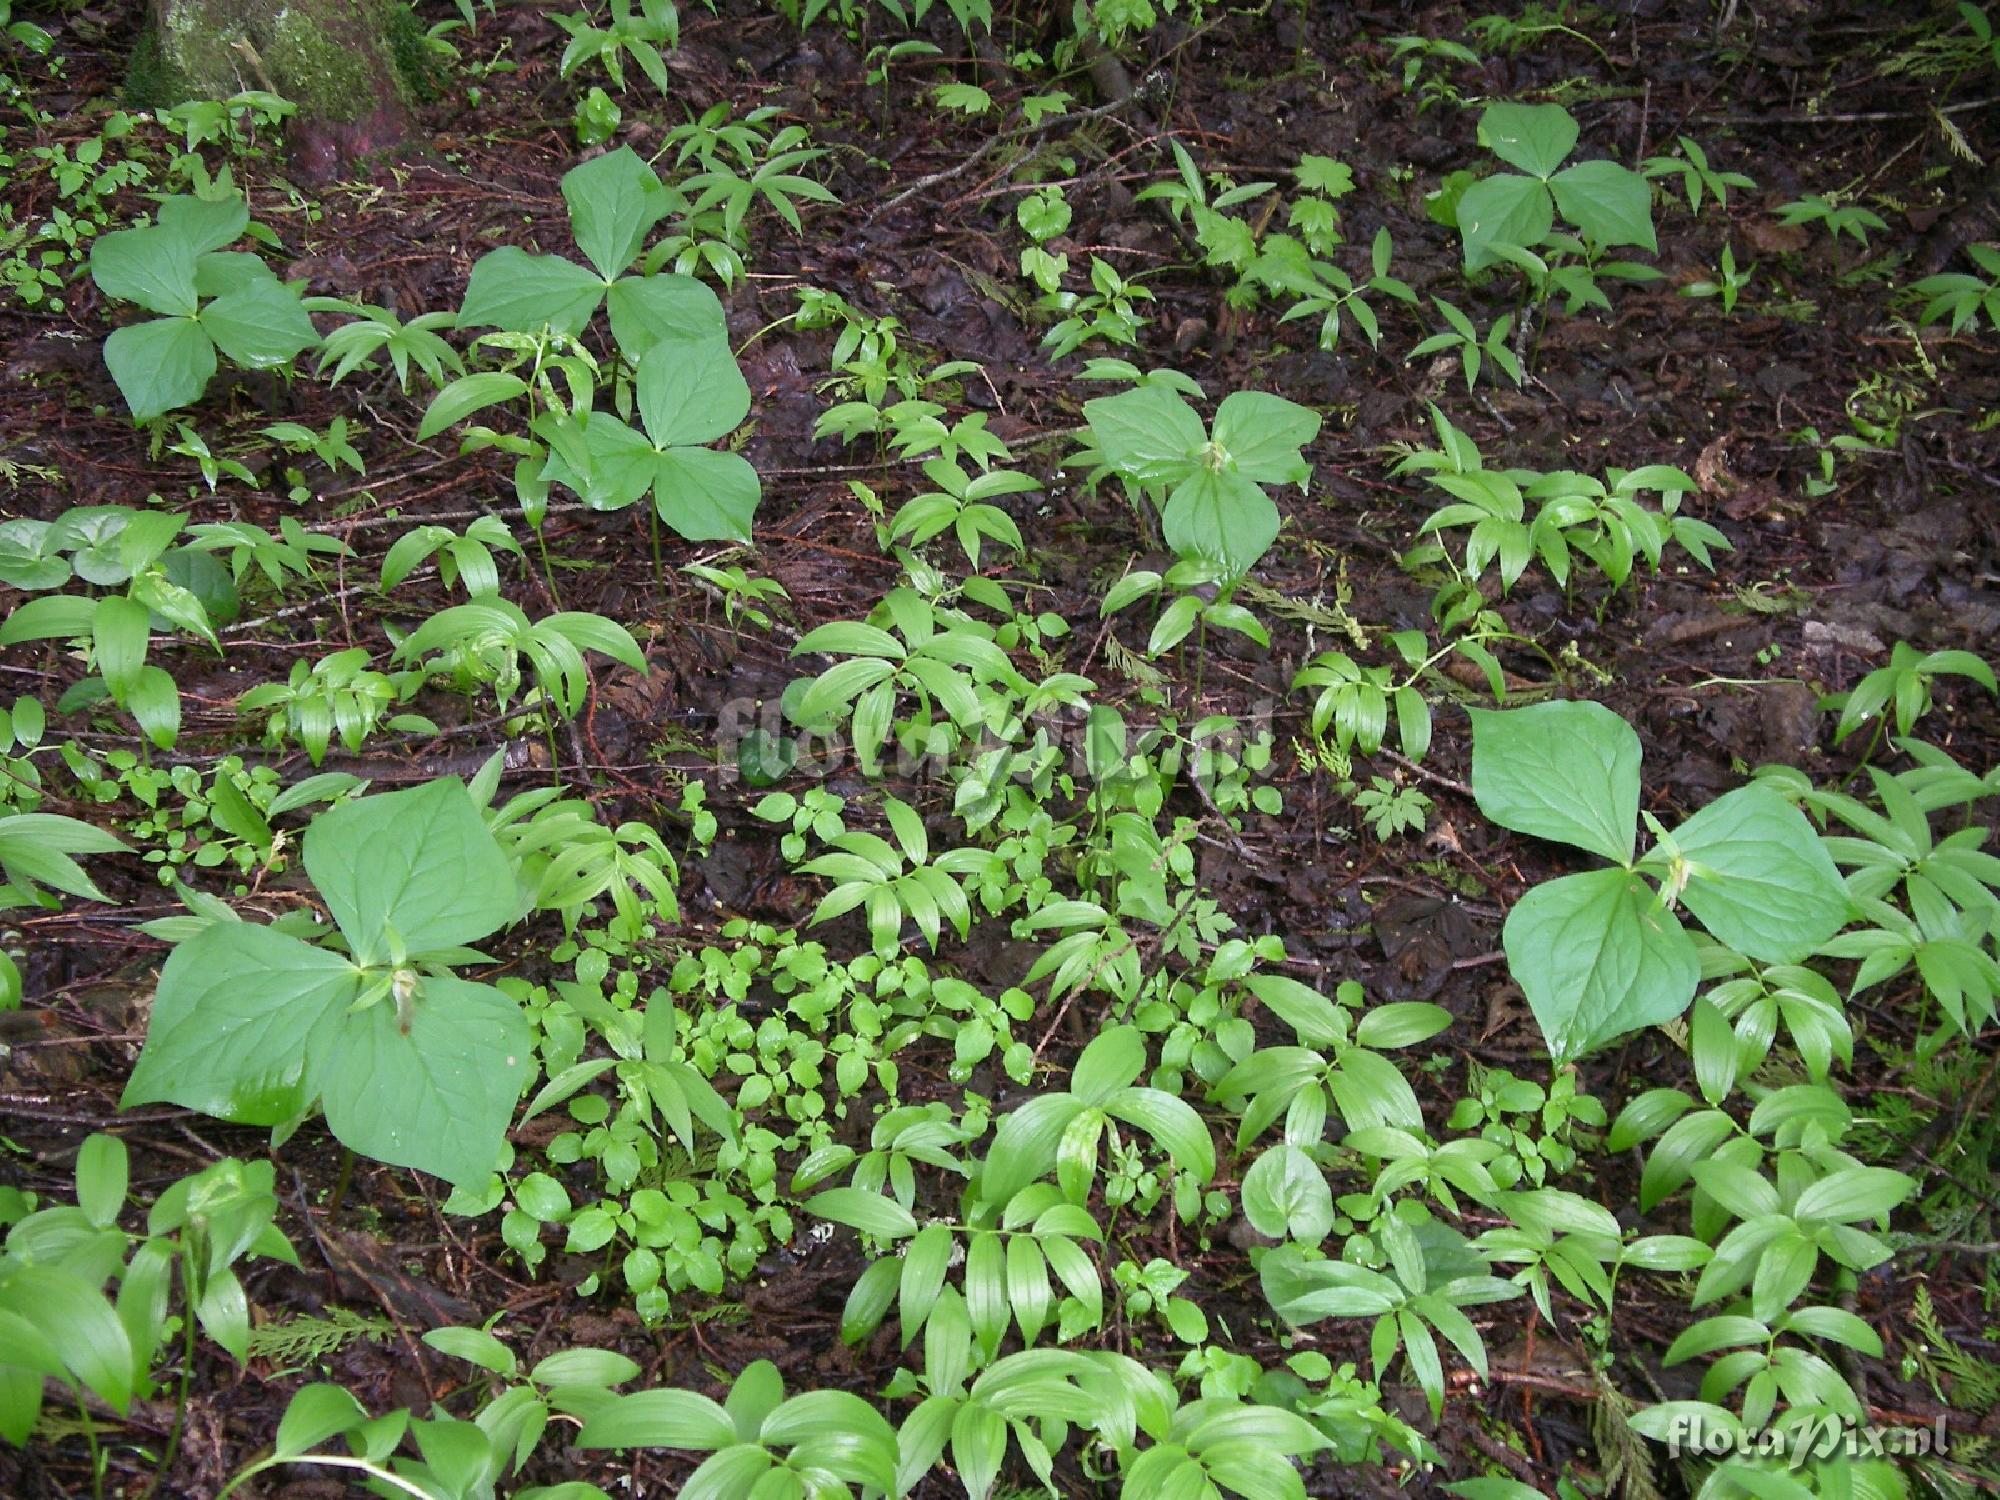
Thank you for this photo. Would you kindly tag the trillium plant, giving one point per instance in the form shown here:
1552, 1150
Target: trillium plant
1603, 952
411, 1065
207, 298
1209, 486
1607, 204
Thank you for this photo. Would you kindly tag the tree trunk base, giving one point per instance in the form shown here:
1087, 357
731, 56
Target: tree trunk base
337, 60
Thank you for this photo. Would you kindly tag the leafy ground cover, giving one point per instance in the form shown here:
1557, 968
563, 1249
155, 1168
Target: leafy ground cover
939, 749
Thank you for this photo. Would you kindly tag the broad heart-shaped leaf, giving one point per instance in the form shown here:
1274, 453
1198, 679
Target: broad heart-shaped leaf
1761, 881
1504, 209
1285, 1196
1537, 138
1148, 433
623, 465
231, 1014
1223, 517
1609, 204
1598, 955
419, 864
1563, 771
152, 267
614, 202
205, 224
260, 326
514, 290
28, 560
160, 365
706, 496
691, 393
663, 309
1262, 435
437, 1098
222, 271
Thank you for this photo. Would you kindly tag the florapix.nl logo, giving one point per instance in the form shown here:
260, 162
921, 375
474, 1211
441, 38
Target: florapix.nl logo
1801, 1439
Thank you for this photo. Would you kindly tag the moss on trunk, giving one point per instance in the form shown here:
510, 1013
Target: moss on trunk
335, 59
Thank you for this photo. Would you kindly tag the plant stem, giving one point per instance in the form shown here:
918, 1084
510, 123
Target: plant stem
332, 1461
180, 1396
548, 568
340, 1182
96, 1449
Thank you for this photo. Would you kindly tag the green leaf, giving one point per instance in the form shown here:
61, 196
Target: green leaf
102, 1172
871, 1213
614, 202
1223, 517
155, 705
1401, 1024
925, 1260
589, 632
27, 559
437, 1096
663, 309
1562, 771
1148, 433
73, 1315
691, 394
1598, 955
418, 864
1024, 1145
520, 292
1537, 138
584, 1366
706, 496
659, 1419
160, 365
54, 617
1316, 1019
1114, 1057
118, 633
476, 1347
1285, 1196
261, 326
230, 1018
742, 1469
205, 224
466, 395
316, 1413
152, 267
1854, 1193
1503, 209
1609, 204
37, 846
978, 1447
1172, 1124
1493, 1489
1762, 881
1301, 1290
1262, 434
